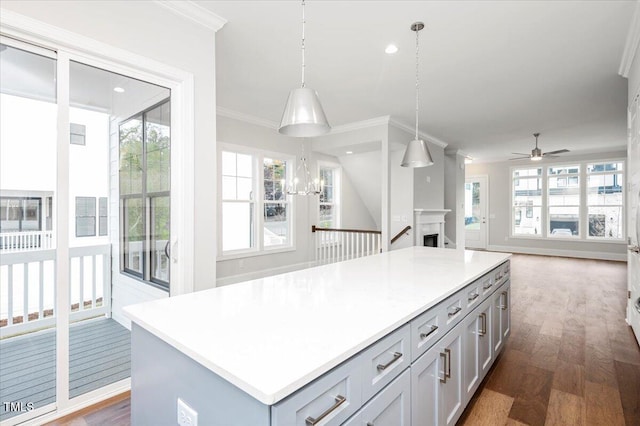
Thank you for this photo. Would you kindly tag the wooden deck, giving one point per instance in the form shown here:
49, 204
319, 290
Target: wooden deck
99, 355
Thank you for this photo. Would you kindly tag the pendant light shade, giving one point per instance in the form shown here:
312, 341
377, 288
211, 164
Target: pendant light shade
303, 114
417, 153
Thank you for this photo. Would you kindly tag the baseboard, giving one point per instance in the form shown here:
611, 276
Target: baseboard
621, 257
254, 275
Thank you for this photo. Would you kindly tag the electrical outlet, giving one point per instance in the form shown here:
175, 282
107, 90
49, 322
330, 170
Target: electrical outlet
187, 416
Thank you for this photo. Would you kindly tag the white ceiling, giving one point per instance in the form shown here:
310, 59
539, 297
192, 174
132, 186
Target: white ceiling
492, 72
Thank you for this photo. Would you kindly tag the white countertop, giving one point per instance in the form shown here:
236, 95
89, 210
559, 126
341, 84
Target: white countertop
271, 336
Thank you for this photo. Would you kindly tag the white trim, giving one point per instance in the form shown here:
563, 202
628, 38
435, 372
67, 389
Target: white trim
337, 190
562, 253
232, 279
398, 124
194, 12
631, 45
235, 115
358, 125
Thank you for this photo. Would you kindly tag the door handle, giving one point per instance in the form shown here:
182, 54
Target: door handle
634, 249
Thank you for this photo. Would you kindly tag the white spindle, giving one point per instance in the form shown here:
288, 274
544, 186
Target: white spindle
10, 295
81, 289
94, 278
41, 292
25, 294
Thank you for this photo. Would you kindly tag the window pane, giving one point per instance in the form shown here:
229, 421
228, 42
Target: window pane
604, 167
228, 163
274, 176
564, 221
158, 140
85, 216
131, 161
160, 226
237, 226
276, 224
245, 188
527, 172
472, 205
605, 189
327, 216
563, 170
244, 165
229, 188
31, 219
605, 222
133, 234
529, 216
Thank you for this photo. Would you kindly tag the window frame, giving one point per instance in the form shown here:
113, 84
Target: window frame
566, 176
622, 175
258, 202
514, 181
582, 176
337, 192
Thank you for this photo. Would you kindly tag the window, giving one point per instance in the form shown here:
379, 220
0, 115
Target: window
563, 192
85, 217
329, 204
583, 201
527, 197
103, 218
605, 200
253, 198
20, 214
144, 194
78, 134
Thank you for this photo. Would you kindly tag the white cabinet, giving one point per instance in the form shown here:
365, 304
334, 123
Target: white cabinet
485, 353
478, 355
501, 324
425, 389
391, 407
452, 395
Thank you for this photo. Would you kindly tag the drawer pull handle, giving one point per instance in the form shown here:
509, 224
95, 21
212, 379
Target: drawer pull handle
313, 421
487, 286
474, 297
483, 328
396, 356
429, 333
455, 311
447, 364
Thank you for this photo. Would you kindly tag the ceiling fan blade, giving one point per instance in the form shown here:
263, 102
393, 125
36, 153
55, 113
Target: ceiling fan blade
560, 151
520, 153
520, 158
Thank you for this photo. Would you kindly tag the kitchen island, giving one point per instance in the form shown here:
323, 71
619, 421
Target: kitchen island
326, 344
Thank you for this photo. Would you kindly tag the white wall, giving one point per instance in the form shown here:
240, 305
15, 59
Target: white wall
364, 171
500, 216
401, 190
428, 182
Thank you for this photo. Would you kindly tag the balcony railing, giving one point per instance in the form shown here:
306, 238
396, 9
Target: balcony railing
28, 290
26, 241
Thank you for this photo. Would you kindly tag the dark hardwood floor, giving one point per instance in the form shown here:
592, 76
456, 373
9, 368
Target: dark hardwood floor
571, 358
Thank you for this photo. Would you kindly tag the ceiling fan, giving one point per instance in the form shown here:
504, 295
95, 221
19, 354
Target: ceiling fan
536, 153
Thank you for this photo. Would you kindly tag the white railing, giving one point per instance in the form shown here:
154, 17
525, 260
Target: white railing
28, 290
25, 241
336, 245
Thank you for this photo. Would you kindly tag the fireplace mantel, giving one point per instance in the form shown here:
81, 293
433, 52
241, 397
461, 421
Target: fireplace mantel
429, 221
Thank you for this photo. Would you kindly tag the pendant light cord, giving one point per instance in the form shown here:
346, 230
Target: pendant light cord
303, 22
417, 80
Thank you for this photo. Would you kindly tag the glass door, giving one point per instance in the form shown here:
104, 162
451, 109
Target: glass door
28, 255
475, 217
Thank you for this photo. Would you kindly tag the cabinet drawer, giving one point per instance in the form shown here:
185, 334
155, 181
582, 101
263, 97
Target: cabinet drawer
486, 284
385, 360
455, 308
329, 400
474, 295
426, 329
391, 407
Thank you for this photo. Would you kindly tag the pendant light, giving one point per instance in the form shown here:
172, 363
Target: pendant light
302, 183
303, 114
417, 153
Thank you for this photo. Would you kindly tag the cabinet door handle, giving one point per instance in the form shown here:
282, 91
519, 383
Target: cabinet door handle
455, 311
314, 421
448, 352
444, 368
396, 356
430, 332
483, 328
474, 297
506, 301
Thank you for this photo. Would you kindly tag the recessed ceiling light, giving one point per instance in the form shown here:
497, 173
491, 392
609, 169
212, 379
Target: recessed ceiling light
349, 152
391, 49
118, 89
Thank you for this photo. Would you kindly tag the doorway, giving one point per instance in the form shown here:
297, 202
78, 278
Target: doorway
475, 212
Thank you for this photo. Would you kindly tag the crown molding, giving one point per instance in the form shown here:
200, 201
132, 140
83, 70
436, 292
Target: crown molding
455, 151
400, 125
194, 12
358, 125
235, 115
631, 45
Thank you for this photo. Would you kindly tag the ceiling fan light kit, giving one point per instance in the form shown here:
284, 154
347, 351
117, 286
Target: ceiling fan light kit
537, 154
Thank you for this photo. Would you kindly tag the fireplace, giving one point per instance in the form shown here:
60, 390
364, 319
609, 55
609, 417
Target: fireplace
430, 240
